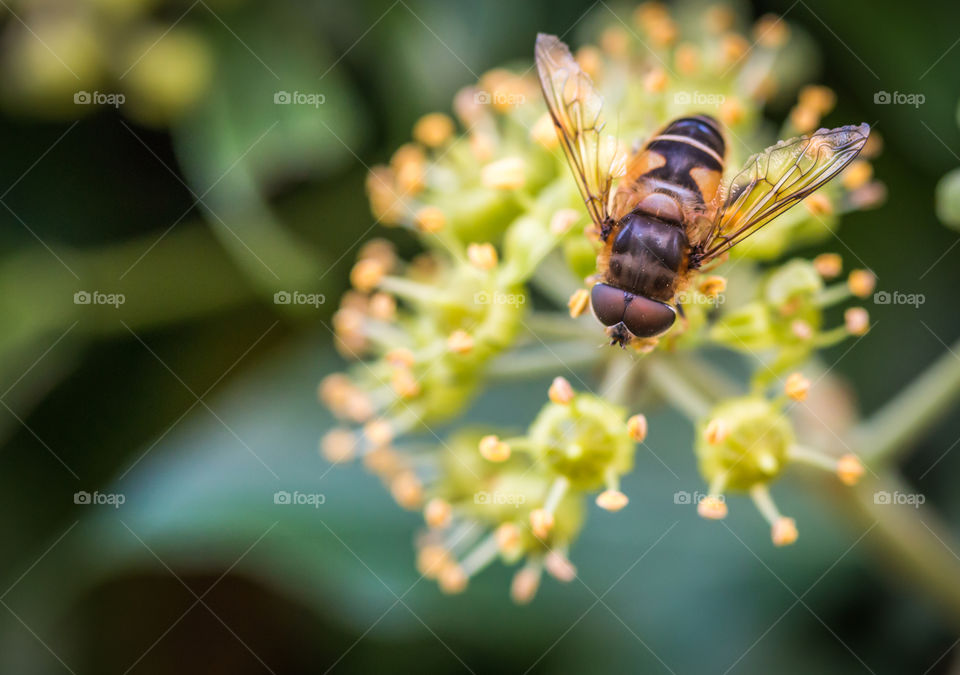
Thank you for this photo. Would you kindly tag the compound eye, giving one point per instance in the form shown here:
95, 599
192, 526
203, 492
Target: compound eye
609, 303
647, 318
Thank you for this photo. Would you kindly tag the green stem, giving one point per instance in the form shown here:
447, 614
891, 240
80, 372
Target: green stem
544, 360
898, 424
915, 542
677, 390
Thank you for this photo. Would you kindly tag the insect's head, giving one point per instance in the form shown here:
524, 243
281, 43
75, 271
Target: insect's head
640, 316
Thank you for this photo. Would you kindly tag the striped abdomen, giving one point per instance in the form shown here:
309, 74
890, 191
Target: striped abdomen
645, 255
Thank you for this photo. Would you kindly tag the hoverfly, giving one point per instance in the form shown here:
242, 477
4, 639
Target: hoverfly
670, 215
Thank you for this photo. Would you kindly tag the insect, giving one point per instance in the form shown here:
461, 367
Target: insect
671, 214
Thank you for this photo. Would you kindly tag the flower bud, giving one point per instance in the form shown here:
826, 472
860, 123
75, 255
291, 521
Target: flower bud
828, 265
433, 130
784, 531
861, 283
452, 579
857, 320
578, 302
612, 500
431, 560
797, 386
378, 432
430, 219
755, 449
339, 445
712, 507
460, 342
509, 173
560, 391
771, 31
482, 256
437, 513
541, 522
493, 449
560, 567
525, 584
637, 428
849, 469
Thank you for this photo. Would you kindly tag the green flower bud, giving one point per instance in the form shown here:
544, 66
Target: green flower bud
748, 327
581, 255
948, 199
745, 443
795, 279
584, 441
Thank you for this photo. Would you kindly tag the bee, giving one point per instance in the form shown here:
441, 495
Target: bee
671, 214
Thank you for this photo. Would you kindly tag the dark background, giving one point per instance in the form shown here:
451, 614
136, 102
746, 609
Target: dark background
95, 590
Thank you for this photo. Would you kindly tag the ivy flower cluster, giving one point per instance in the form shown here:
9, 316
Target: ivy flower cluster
499, 289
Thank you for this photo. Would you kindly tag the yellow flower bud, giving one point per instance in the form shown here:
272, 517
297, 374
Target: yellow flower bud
482, 256
578, 302
828, 265
784, 531
493, 449
861, 283
430, 219
541, 522
339, 445
437, 513
713, 507
637, 428
560, 391
460, 342
433, 130
612, 500
509, 173
452, 579
849, 469
797, 386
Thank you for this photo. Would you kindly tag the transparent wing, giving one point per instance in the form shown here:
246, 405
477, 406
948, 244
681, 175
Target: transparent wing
776, 179
575, 107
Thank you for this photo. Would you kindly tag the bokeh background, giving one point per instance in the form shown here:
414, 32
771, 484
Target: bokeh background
197, 197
